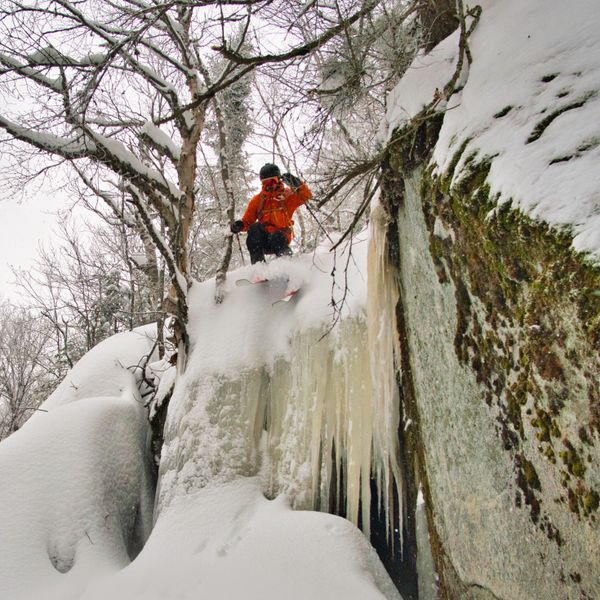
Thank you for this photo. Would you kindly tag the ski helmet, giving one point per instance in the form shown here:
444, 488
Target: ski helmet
269, 170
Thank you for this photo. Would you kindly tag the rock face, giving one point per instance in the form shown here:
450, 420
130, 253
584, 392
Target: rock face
499, 323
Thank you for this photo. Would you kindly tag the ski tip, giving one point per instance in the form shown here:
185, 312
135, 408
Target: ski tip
286, 297
244, 282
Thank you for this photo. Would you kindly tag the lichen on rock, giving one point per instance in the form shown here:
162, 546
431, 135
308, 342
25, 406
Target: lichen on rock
526, 333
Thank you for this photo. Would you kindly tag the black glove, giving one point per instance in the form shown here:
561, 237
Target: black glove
237, 226
293, 181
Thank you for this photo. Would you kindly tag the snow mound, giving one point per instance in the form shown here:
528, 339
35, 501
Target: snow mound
108, 369
76, 502
227, 542
249, 330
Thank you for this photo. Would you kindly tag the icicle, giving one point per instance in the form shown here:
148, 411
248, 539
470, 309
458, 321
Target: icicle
324, 413
319, 402
384, 348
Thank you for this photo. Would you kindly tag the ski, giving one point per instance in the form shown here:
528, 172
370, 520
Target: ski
245, 282
289, 294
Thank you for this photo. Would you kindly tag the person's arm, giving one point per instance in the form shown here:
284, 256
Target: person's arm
301, 195
251, 214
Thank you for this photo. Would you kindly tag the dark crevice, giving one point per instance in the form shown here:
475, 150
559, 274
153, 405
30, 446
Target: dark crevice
539, 129
387, 543
157, 426
561, 159
550, 77
503, 112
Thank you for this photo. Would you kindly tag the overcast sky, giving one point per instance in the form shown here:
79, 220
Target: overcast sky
22, 227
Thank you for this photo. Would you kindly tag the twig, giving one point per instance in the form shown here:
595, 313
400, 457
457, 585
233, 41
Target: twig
359, 213
312, 214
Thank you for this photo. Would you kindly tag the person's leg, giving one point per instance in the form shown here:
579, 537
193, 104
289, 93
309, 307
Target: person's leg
277, 244
256, 242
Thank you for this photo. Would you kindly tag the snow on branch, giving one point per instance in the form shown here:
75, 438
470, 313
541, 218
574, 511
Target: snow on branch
52, 57
115, 155
104, 150
159, 140
307, 48
26, 70
77, 147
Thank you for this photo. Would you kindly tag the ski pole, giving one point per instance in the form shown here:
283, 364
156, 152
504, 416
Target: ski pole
237, 235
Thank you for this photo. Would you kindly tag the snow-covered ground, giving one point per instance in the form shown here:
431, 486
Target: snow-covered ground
77, 493
530, 103
79, 499
227, 542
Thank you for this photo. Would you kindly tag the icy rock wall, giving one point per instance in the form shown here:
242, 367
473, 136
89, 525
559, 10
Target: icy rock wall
501, 334
216, 439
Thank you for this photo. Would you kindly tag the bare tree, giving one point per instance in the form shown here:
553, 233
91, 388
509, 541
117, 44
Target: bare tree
119, 89
97, 281
26, 372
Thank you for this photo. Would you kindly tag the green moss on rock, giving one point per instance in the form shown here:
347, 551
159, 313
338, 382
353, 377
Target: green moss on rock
591, 501
531, 475
515, 280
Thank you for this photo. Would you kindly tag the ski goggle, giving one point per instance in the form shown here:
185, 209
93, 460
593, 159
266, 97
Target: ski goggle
270, 183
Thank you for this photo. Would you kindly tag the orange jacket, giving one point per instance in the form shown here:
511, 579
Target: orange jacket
275, 209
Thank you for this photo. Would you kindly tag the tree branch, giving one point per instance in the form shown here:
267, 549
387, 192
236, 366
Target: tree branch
307, 48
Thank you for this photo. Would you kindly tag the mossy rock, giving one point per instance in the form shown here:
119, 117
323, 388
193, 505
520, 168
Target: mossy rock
515, 280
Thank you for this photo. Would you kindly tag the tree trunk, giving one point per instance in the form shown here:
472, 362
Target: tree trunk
438, 19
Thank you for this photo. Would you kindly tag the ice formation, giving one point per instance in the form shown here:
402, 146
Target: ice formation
288, 392
384, 352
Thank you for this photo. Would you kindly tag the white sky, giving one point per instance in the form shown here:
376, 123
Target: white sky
23, 226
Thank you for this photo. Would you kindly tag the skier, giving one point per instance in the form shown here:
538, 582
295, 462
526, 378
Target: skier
268, 218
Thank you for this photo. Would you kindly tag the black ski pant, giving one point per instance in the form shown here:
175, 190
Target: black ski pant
261, 242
